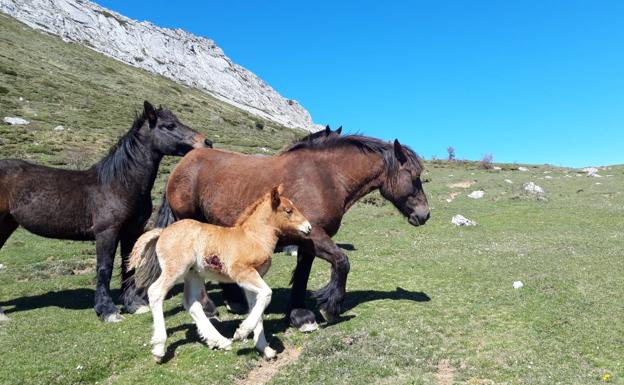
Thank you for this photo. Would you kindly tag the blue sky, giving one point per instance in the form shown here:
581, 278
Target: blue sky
527, 81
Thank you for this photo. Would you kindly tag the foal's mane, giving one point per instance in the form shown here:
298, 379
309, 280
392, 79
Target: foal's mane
361, 142
250, 210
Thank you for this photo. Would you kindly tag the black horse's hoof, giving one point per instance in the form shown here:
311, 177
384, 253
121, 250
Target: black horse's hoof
303, 319
137, 305
108, 312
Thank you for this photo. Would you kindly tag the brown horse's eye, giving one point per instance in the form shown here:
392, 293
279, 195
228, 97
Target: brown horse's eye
288, 211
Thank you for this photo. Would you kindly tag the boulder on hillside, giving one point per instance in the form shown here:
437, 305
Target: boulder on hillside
15, 121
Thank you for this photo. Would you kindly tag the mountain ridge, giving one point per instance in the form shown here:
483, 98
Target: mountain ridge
174, 53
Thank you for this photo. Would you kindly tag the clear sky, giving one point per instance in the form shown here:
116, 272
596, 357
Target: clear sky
527, 81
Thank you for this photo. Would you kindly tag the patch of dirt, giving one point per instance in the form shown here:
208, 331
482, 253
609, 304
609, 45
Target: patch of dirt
462, 184
265, 370
446, 373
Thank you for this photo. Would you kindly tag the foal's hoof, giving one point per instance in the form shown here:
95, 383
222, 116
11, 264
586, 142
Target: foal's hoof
221, 344
269, 353
241, 334
113, 318
4, 318
158, 359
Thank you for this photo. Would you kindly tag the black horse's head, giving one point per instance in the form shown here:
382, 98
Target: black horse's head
403, 186
168, 135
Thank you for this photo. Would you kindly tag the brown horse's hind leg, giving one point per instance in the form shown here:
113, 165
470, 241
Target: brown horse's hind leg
7, 226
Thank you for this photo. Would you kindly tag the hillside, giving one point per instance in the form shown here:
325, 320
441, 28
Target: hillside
188, 59
50, 82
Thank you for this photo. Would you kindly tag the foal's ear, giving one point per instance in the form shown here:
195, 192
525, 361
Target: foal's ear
399, 152
339, 130
275, 196
150, 113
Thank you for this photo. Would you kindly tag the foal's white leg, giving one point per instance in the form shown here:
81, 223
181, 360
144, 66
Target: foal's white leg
3, 316
254, 283
259, 339
156, 294
193, 285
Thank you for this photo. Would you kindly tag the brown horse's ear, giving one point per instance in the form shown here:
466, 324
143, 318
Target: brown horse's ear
150, 113
399, 152
339, 130
275, 197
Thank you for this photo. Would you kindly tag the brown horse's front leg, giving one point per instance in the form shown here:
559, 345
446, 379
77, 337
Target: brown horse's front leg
331, 296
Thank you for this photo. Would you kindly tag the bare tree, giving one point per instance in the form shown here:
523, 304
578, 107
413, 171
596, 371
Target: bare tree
451, 153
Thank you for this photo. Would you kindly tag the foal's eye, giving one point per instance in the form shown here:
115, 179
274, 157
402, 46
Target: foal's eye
288, 211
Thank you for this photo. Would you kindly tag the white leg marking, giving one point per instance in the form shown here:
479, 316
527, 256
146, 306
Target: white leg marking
263, 294
156, 294
259, 339
193, 285
3, 316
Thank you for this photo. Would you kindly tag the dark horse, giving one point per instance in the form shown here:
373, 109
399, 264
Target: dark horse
109, 203
324, 175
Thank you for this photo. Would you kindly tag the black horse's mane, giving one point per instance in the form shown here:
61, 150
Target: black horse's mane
122, 156
363, 143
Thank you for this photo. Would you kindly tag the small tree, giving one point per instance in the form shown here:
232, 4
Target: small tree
486, 161
451, 153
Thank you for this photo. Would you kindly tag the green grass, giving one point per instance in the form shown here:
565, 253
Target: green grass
420, 300
417, 297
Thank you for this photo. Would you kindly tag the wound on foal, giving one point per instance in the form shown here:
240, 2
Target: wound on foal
212, 262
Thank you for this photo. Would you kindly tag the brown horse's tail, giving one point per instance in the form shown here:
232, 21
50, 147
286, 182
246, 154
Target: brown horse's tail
143, 259
165, 214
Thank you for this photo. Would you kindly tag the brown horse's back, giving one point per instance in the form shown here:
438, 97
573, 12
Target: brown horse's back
216, 186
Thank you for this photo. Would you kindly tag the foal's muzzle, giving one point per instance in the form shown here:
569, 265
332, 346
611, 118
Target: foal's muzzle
306, 228
202, 142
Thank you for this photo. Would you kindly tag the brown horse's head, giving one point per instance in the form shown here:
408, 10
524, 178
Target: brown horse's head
169, 135
286, 217
402, 185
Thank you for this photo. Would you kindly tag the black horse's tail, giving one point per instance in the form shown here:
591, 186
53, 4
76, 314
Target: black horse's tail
144, 260
165, 214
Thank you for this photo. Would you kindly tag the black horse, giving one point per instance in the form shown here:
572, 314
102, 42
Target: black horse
109, 203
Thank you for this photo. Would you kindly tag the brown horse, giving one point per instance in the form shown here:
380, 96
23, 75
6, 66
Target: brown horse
109, 202
192, 251
324, 176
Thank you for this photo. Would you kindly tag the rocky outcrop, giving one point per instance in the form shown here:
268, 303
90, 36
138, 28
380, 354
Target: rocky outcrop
173, 53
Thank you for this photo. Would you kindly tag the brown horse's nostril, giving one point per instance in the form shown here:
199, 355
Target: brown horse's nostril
208, 143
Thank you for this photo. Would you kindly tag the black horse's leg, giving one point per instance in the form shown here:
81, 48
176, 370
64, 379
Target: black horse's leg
105, 246
330, 296
133, 300
234, 298
298, 315
7, 227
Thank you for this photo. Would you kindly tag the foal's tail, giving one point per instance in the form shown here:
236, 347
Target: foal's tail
165, 214
143, 259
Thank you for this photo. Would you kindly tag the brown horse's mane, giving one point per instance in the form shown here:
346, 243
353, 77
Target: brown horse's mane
361, 142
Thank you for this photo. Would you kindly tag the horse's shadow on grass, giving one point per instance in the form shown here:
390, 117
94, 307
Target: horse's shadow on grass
83, 298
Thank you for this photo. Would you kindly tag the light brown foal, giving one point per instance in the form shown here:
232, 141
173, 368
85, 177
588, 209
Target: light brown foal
195, 251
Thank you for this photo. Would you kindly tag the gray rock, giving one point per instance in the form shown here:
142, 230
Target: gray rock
478, 194
460, 220
522, 168
59, 128
176, 54
15, 121
532, 188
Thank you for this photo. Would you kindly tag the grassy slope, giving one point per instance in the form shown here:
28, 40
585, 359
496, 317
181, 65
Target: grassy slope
566, 326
